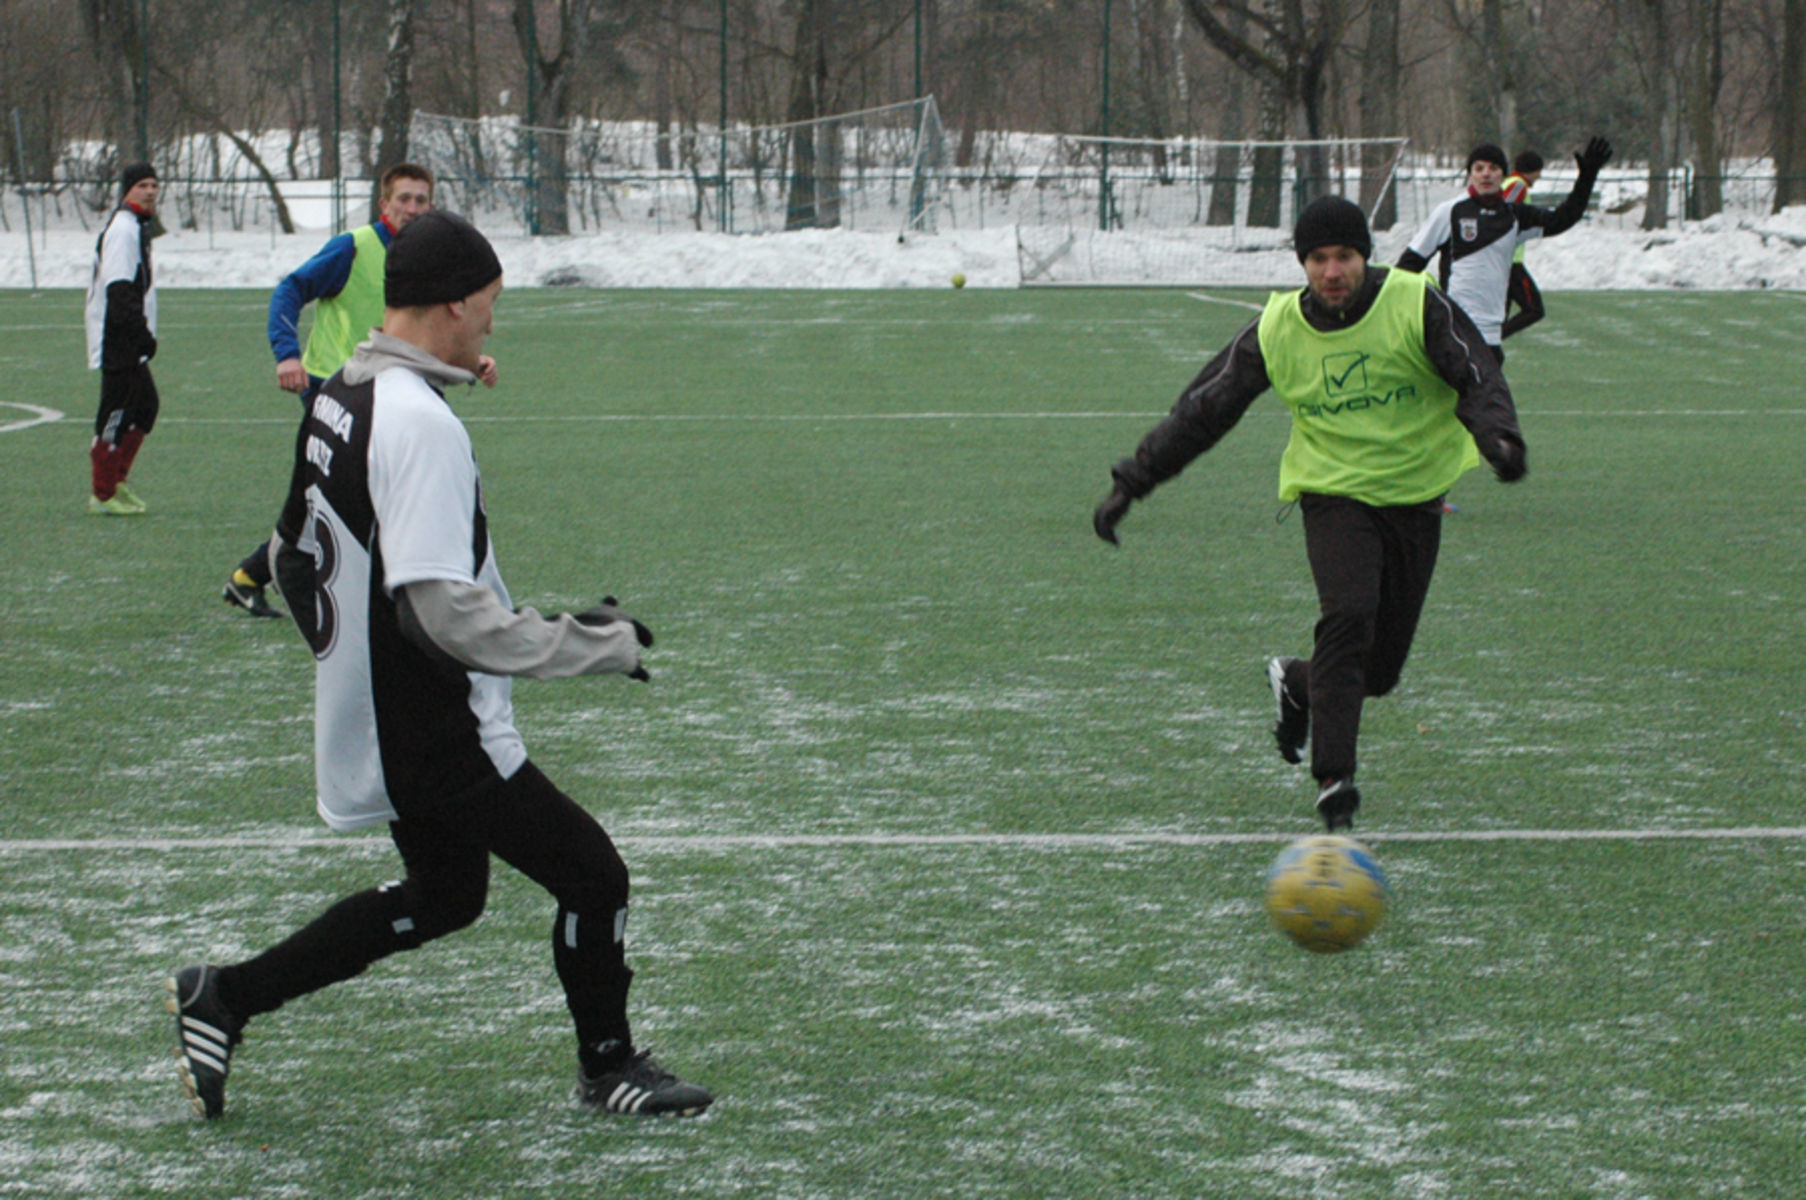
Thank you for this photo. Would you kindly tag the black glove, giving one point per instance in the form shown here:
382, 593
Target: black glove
606, 613
1114, 508
1596, 155
1508, 460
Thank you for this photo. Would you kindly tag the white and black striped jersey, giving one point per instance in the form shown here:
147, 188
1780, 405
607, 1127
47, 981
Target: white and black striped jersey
1475, 241
1475, 238
125, 316
386, 492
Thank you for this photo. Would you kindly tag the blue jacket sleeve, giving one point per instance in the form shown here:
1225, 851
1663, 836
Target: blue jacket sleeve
320, 276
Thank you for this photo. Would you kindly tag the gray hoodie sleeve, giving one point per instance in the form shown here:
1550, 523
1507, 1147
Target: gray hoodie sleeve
466, 624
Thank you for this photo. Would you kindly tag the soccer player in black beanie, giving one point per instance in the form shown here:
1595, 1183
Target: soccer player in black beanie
1390, 392
121, 320
1332, 221
1474, 236
384, 558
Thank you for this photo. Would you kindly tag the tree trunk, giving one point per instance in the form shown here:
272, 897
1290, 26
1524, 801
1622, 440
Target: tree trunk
398, 95
1706, 78
1790, 108
1226, 176
1497, 53
1379, 110
549, 200
808, 205
113, 36
474, 57
662, 98
320, 84
1266, 198
1664, 94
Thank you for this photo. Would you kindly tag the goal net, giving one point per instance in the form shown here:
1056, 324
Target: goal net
875, 169
1173, 211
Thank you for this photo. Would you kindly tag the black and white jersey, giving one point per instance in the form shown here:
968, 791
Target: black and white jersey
122, 255
1474, 241
386, 492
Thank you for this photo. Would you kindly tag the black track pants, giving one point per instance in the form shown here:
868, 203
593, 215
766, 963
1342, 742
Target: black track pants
128, 401
1522, 291
528, 824
1373, 568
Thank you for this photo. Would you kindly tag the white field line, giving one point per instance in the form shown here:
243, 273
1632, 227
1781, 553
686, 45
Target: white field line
1081, 415
39, 416
1226, 300
1022, 841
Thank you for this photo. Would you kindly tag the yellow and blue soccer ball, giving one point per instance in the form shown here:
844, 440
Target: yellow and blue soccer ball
1326, 893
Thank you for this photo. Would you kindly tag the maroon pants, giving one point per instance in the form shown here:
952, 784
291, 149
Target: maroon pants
1372, 566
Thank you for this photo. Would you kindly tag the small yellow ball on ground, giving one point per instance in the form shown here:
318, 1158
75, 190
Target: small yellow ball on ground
959, 279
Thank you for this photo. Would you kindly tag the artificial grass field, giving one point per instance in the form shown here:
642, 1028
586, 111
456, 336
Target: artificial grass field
947, 821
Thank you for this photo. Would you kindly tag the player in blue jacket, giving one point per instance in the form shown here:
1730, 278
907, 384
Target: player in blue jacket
344, 283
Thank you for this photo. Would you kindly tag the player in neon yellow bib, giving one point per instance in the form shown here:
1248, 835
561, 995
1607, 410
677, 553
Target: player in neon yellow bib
1393, 395
344, 283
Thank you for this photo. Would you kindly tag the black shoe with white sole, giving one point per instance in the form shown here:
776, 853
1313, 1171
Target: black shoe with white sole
205, 1035
248, 596
640, 1086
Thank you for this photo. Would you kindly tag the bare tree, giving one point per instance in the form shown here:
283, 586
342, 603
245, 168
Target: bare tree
1289, 55
398, 96
1705, 80
116, 40
554, 52
1790, 108
1379, 109
854, 35
1651, 29
1290, 48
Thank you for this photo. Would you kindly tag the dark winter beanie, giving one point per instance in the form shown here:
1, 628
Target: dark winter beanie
437, 258
134, 174
1526, 162
1332, 221
1487, 152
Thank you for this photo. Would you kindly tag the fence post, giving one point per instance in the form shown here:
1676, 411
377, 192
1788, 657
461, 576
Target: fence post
1103, 175
721, 193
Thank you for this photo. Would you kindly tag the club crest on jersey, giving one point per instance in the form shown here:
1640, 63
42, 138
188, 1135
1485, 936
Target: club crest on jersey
1470, 228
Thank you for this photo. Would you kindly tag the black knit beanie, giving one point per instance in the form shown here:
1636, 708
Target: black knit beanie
133, 174
1526, 162
437, 258
1332, 221
1487, 152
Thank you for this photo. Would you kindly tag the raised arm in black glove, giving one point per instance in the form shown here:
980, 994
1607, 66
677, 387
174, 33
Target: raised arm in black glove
606, 613
1598, 152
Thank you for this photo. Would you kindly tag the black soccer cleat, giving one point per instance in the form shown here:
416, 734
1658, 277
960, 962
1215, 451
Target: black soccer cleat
205, 1035
640, 1086
1293, 727
248, 596
1336, 804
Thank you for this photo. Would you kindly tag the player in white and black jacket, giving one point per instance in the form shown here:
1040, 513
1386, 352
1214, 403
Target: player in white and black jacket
383, 555
1475, 236
121, 322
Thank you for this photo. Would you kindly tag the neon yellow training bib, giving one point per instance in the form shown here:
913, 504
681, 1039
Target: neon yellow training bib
1371, 418
344, 320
